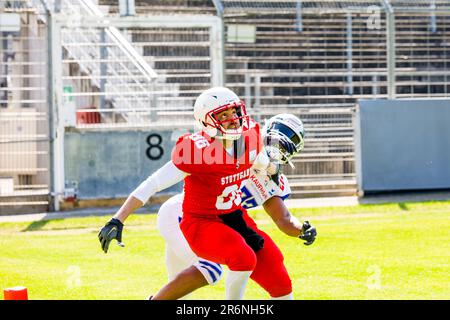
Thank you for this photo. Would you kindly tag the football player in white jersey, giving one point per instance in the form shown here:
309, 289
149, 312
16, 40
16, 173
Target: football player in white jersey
283, 136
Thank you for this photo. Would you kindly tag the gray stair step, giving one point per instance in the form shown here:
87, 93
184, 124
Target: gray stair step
24, 203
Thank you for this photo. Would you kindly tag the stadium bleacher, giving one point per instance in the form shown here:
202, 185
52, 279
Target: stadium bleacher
311, 58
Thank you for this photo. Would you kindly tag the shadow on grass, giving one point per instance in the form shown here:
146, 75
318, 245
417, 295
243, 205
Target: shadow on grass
36, 225
403, 206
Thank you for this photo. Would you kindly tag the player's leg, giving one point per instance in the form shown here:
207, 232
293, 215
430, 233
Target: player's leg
184, 283
186, 271
184, 279
215, 241
179, 255
175, 266
270, 272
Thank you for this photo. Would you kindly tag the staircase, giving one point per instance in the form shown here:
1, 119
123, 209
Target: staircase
24, 129
116, 70
24, 203
180, 55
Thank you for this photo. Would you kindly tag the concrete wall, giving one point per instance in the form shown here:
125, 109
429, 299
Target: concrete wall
111, 164
403, 145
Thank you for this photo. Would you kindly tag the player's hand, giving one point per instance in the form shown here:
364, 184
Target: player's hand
111, 230
309, 233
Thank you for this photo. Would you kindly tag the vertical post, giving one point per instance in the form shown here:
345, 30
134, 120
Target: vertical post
433, 26
391, 54
153, 100
349, 54
56, 125
5, 68
217, 52
248, 88
57, 6
127, 8
298, 18
257, 106
356, 118
375, 86
103, 67
221, 33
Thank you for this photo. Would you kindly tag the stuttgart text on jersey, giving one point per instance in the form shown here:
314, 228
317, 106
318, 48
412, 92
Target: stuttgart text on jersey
235, 177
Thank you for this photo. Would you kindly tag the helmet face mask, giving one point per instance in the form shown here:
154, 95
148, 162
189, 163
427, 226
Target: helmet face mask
240, 120
284, 126
214, 101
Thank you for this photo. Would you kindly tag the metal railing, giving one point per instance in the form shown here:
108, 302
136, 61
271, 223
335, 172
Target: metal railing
123, 79
115, 71
184, 54
24, 127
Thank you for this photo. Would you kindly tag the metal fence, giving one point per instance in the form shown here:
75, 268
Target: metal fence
311, 58
24, 114
183, 54
317, 58
181, 58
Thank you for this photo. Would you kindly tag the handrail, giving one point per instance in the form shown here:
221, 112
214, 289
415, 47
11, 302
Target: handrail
116, 35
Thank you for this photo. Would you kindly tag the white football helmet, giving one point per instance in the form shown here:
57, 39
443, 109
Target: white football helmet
214, 101
283, 127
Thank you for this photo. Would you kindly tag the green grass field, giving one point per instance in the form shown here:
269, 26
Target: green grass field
389, 251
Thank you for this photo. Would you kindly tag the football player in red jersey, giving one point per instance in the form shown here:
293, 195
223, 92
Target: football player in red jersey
215, 163
218, 160
188, 272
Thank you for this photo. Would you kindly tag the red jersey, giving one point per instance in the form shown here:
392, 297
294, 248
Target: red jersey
215, 178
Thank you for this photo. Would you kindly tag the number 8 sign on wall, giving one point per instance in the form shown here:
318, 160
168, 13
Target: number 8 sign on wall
150, 141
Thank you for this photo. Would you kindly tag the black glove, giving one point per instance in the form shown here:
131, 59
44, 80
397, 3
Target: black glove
309, 233
111, 230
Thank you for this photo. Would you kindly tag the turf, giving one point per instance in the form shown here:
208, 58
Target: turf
390, 251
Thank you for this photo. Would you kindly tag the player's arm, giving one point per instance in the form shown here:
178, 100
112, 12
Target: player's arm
165, 177
130, 205
287, 223
284, 220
